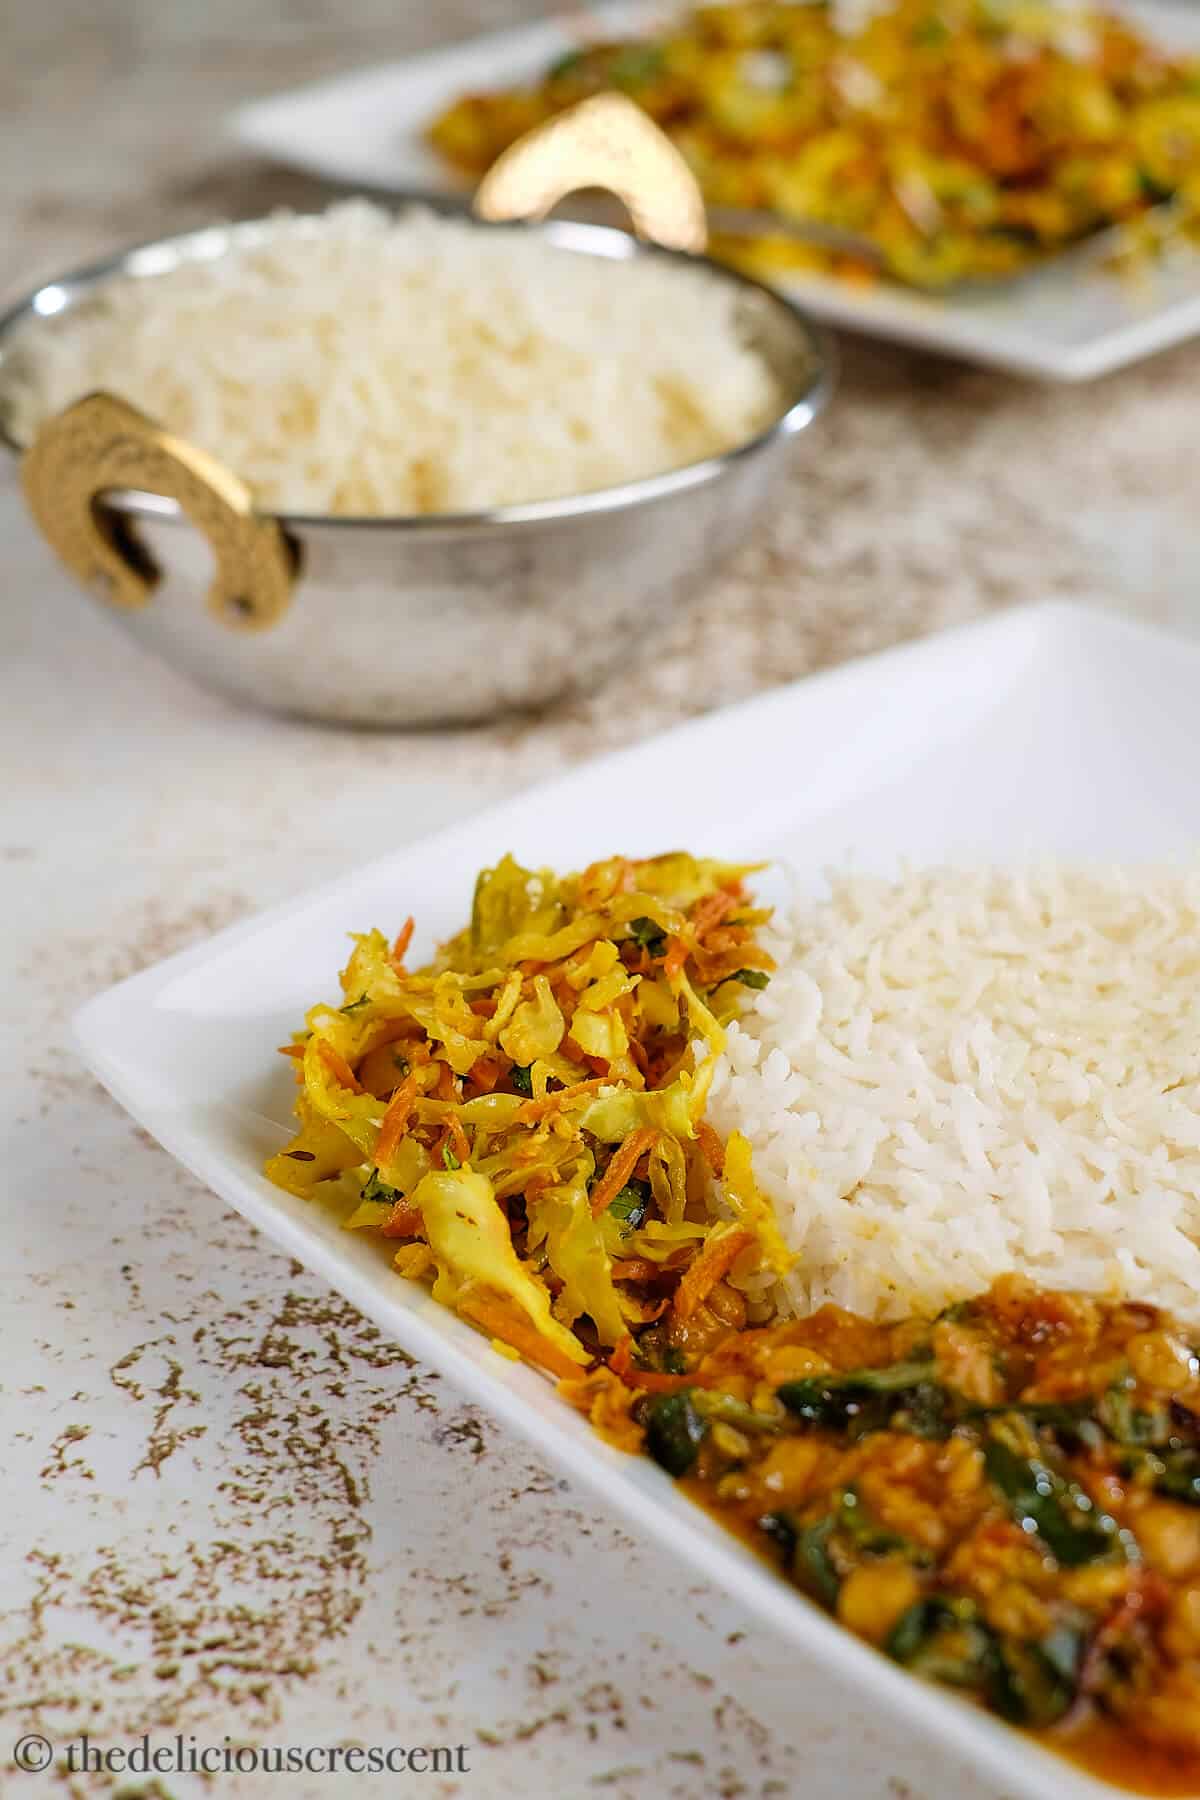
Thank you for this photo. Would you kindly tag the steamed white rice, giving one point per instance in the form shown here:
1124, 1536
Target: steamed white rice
367, 364
962, 1073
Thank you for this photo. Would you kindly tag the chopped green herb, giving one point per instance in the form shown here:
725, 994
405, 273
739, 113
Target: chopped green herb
357, 1005
522, 1080
375, 1189
635, 64
751, 978
449, 1160
650, 935
631, 1205
674, 1431
565, 64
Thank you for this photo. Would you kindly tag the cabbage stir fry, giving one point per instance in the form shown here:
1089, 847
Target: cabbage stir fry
964, 138
525, 1116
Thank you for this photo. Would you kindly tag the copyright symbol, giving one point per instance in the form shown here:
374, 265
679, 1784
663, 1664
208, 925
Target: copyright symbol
33, 1753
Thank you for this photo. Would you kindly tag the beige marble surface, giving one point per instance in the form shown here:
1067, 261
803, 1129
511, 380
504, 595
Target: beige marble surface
228, 1507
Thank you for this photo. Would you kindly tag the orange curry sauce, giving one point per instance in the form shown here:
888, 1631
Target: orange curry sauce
1005, 1500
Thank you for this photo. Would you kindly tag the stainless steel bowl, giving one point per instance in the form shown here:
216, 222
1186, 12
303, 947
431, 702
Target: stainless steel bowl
452, 618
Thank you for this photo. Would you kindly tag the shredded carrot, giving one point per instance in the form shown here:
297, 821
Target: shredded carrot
533, 1110
624, 1162
395, 1120
625, 1369
718, 1256
673, 961
712, 1147
443, 1087
705, 914
711, 910
499, 1322
291, 1050
339, 1068
485, 1073
404, 1221
403, 940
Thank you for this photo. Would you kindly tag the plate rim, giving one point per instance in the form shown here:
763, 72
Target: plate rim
1022, 1764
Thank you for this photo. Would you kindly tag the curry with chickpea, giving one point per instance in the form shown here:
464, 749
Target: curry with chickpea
1005, 1499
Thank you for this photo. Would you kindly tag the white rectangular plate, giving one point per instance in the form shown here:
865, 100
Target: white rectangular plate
1047, 730
1061, 325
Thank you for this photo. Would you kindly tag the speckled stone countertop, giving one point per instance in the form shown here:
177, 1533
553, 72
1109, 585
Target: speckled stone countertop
230, 1508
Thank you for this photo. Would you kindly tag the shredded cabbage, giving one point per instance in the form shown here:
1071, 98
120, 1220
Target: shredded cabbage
526, 1113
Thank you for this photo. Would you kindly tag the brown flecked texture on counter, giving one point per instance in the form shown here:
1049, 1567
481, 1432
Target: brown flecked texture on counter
230, 1506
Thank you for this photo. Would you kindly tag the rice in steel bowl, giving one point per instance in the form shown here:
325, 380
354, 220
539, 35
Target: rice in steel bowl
362, 364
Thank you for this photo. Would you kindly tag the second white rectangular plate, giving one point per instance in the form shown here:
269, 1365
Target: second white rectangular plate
1047, 730
1058, 324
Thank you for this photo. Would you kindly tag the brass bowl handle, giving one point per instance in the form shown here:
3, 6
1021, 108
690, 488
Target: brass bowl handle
604, 142
101, 444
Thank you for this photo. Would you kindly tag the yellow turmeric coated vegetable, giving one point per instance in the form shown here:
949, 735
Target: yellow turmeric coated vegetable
525, 1115
964, 138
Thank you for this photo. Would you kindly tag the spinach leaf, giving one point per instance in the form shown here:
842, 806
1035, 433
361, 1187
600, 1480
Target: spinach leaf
868, 1537
1040, 1500
1028, 1682
820, 1553
674, 1431
1035, 1683
1180, 1476
1070, 1422
812, 1566
781, 1528
944, 1639
1133, 1426
864, 1400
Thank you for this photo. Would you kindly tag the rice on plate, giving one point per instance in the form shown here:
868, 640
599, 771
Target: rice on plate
961, 1073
